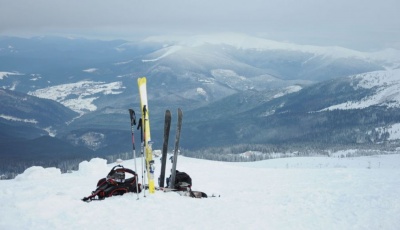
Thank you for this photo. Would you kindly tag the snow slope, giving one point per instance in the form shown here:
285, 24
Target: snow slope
387, 90
291, 193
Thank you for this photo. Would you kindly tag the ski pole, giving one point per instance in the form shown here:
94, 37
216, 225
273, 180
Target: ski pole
142, 153
133, 123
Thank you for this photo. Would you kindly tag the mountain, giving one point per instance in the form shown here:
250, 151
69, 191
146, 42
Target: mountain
28, 126
360, 109
233, 89
251, 56
39, 115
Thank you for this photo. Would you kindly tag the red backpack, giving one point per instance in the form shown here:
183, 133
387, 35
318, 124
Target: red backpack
115, 184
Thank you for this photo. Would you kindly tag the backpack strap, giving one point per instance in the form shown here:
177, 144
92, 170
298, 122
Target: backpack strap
113, 170
128, 171
121, 169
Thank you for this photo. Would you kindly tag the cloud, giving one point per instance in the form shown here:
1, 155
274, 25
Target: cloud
373, 23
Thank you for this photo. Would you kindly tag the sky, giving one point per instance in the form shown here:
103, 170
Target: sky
358, 24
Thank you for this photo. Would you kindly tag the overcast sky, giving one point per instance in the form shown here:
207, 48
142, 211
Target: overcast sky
358, 24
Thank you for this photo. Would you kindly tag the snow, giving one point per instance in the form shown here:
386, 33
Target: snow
288, 193
123, 63
226, 74
7, 74
201, 91
288, 90
90, 70
242, 41
11, 118
35, 77
50, 131
78, 96
232, 79
394, 132
387, 90
166, 52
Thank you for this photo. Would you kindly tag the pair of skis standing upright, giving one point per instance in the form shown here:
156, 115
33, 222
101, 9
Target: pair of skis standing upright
167, 126
146, 150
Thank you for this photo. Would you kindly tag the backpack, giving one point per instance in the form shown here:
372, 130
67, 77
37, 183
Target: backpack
182, 180
115, 184
183, 185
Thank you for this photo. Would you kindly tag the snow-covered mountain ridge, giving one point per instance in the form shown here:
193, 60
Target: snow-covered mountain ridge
242, 41
301, 116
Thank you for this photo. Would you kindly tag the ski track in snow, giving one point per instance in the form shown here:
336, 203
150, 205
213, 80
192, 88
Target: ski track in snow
291, 193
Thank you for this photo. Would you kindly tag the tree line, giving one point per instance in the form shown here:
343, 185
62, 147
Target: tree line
234, 153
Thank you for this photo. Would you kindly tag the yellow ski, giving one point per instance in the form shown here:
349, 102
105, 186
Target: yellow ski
146, 133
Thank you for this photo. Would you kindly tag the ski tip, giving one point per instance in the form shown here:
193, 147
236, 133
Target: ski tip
142, 80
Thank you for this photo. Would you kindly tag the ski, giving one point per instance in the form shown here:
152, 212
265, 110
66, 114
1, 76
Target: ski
146, 133
175, 159
139, 127
193, 194
167, 125
133, 124
188, 192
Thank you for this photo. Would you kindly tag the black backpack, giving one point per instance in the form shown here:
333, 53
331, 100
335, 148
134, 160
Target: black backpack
182, 180
115, 184
183, 185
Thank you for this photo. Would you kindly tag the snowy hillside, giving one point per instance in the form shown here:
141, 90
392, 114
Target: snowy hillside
292, 193
386, 85
79, 96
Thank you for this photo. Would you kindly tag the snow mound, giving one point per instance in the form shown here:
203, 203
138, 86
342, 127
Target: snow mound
95, 166
37, 173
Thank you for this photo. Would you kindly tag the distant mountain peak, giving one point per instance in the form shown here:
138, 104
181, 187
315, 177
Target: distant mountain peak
243, 41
